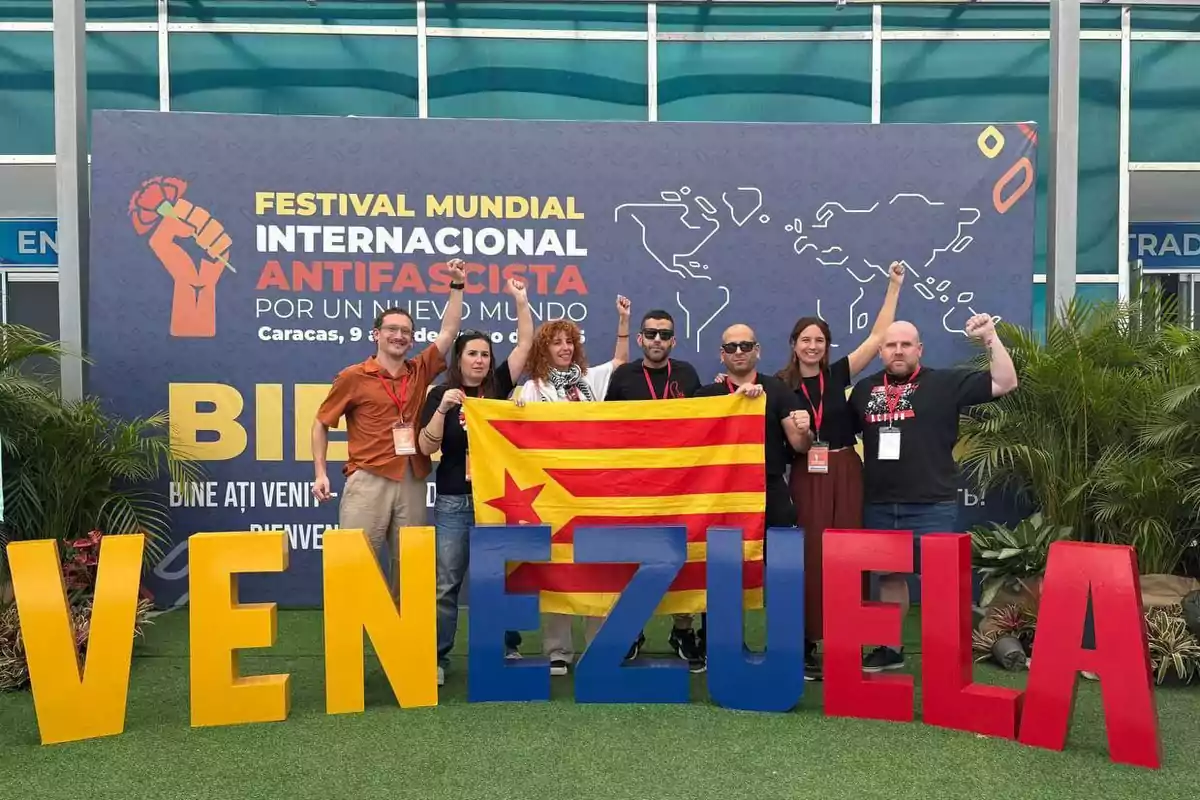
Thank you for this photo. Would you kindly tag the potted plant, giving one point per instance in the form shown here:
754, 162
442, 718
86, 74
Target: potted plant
1012, 561
1174, 650
1103, 435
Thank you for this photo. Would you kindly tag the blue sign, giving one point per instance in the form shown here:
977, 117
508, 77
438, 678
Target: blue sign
29, 242
257, 257
1165, 245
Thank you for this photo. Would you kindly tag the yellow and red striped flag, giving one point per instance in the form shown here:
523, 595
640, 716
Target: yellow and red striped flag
697, 463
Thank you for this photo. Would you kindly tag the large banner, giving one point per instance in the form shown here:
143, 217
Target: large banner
238, 262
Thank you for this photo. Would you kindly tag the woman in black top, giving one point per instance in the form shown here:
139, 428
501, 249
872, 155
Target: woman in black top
826, 482
443, 425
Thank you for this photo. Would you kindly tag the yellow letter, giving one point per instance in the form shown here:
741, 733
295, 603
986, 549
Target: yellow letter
68, 707
268, 422
186, 421
357, 599
439, 208
220, 627
263, 201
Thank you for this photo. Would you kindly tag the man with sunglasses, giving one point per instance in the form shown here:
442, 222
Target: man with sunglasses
659, 377
788, 426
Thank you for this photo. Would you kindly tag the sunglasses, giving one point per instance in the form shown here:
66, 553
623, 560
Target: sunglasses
655, 333
733, 347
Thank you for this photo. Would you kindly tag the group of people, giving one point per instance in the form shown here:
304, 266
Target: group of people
906, 413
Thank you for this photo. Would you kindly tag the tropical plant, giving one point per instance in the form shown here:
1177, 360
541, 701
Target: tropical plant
69, 467
1174, 650
1009, 557
1103, 435
84, 470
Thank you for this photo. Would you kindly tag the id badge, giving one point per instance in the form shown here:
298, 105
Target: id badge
818, 457
403, 438
889, 444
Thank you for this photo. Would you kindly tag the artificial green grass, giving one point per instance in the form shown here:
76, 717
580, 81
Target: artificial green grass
462, 751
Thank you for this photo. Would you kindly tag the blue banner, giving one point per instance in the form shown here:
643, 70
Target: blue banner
1165, 246
29, 242
297, 231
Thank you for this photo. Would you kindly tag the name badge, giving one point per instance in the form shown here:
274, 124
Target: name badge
818, 457
889, 444
404, 439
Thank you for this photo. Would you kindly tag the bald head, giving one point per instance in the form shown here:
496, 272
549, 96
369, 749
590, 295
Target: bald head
901, 349
901, 329
744, 358
738, 333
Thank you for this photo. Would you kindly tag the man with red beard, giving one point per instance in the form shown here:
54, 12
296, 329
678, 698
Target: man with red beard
381, 399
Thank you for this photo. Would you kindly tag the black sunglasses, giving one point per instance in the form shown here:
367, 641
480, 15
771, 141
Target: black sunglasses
733, 347
473, 335
656, 333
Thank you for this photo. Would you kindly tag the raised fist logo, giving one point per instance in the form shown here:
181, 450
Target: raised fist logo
158, 208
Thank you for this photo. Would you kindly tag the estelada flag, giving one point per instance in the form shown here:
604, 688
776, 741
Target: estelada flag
697, 463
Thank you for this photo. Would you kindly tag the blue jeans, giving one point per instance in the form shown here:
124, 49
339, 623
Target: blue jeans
455, 514
920, 518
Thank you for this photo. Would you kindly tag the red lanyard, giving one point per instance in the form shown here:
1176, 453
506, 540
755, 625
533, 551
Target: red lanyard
399, 401
733, 387
819, 408
666, 386
893, 397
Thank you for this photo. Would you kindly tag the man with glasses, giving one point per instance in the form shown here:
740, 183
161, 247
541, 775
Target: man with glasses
659, 377
381, 400
788, 426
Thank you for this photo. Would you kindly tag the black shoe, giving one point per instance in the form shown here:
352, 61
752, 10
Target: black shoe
812, 665
558, 667
683, 641
883, 658
636, 649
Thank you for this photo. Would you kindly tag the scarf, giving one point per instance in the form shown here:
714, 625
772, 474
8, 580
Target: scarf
567, 381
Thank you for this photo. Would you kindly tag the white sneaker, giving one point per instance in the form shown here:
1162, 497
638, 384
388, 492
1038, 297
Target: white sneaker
512, 655
441, 677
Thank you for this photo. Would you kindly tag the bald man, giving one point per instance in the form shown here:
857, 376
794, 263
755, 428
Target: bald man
788, 426
908, 416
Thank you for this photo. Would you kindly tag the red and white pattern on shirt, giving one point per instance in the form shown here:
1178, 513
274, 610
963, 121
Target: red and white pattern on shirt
877, 403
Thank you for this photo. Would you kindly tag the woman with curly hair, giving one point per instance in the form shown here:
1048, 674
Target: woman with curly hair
559, 373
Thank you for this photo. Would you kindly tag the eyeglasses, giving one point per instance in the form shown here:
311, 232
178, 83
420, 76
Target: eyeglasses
733, 347
472, 335
392, 330
658, 333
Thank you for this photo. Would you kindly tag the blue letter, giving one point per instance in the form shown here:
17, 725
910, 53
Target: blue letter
492, 612
600, 676
771, 681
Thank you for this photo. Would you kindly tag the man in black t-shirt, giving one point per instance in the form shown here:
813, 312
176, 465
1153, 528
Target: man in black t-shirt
908, 415
787, 424
659, 377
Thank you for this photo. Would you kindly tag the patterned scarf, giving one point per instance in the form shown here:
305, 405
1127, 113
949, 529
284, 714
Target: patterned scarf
568, 382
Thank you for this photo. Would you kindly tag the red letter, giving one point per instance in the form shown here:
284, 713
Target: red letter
1121, 657
949, 699
850, 623
272, 277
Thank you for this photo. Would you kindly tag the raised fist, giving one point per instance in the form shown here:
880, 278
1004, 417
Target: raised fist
159, 208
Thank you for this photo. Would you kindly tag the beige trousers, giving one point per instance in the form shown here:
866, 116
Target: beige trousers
381, 507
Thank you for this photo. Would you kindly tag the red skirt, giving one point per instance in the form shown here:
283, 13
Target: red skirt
832, 499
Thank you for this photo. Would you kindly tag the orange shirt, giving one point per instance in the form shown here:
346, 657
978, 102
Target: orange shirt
358, 393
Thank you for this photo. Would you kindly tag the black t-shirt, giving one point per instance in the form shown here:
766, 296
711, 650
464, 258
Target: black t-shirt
837, 419
452, 469
676, 379
781, 401
927, 413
